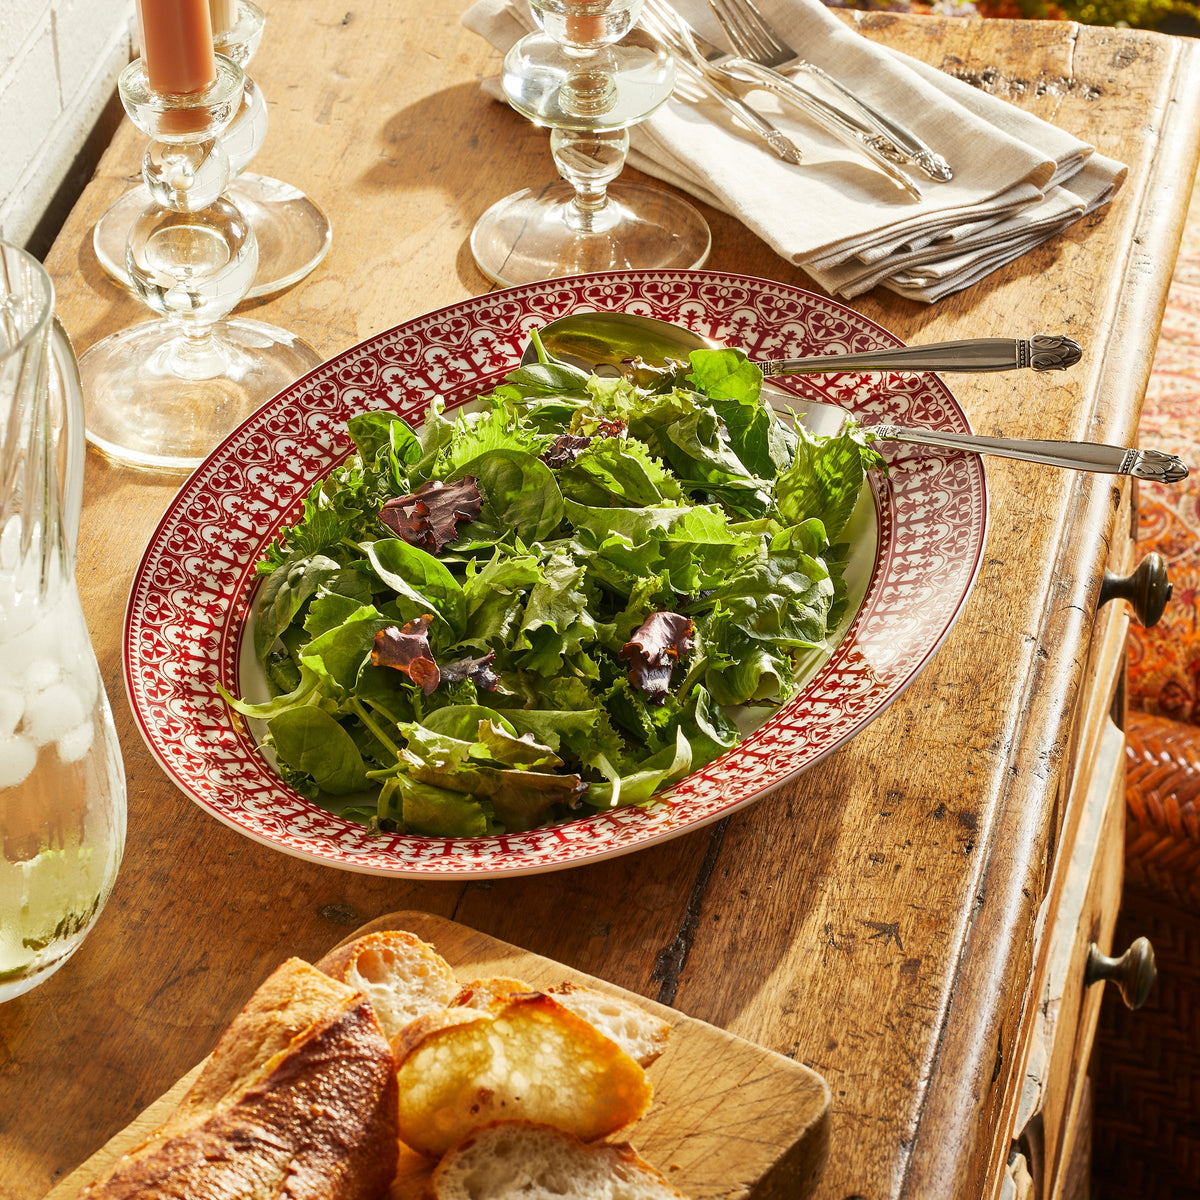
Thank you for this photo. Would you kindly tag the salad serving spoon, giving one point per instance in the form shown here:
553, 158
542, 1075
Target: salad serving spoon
608, 342
607, 339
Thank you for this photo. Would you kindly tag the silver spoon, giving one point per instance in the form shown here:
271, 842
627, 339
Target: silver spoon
608, 342
612, 337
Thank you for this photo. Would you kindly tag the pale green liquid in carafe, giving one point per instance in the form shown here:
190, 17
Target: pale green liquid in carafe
61, 833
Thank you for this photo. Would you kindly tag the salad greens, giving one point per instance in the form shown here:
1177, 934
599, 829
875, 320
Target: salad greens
549, 607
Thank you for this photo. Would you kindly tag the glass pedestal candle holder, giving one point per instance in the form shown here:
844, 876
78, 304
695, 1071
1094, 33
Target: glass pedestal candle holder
588, 75
292, 231
163, 393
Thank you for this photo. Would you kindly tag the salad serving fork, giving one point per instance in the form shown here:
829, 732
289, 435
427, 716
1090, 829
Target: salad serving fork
756, 40
688, 46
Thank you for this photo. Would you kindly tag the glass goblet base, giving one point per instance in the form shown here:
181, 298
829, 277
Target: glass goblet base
293, 232
160, 398
534, 234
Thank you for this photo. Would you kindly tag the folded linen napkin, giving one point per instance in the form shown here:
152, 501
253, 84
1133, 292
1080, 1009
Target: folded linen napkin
1017, 179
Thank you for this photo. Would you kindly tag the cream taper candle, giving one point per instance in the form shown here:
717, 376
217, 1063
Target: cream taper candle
224, 15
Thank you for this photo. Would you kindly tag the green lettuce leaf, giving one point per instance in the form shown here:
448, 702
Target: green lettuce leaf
673, 491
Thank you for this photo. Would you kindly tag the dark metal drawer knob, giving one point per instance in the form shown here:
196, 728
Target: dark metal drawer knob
1134, 972
1148, 589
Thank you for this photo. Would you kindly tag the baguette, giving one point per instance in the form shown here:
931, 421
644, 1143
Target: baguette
528, 1058
278, 1114
518, 1160
292, 999
402, 976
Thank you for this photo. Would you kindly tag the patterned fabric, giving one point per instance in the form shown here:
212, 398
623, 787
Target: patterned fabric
1164, 662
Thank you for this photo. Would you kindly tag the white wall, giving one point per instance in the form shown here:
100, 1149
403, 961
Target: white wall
59, 62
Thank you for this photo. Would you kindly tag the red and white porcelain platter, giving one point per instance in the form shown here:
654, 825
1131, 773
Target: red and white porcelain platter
191, 594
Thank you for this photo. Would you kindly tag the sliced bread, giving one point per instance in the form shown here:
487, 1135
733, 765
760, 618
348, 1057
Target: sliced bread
401, 976
641, 1034
518, 1160
487, 995
527, 1058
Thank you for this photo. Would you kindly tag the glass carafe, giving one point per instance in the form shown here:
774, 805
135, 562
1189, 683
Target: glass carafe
62, 783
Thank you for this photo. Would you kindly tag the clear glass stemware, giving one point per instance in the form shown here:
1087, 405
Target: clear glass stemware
589, 75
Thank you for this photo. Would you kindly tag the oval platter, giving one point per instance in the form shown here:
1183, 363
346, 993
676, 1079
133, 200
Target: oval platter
191, 594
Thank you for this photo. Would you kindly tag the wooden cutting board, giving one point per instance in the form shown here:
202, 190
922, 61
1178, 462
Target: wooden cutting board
729, 1120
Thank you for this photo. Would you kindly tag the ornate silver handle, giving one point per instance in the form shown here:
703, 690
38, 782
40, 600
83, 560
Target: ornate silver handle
1042, 352
912, 148
1076, 456
880, 149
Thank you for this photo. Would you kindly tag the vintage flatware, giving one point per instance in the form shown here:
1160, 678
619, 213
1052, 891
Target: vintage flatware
752, 36
614, 337
610, 340
1155, 465
663, 22
716, 86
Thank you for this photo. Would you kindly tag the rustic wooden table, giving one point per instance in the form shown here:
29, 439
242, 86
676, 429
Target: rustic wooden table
877, 919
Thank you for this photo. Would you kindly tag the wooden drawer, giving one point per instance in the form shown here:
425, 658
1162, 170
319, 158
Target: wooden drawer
1065, 1026
1080, 910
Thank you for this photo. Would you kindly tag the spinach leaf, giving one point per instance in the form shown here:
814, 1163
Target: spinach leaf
520, 493
376, 431
312, 743
285, 592
421, 583
339, 654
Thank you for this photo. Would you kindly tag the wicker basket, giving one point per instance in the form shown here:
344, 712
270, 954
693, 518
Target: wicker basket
1162, 810
1146, 1067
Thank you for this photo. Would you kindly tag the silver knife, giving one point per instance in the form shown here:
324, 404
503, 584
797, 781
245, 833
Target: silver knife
714, 86
841, 124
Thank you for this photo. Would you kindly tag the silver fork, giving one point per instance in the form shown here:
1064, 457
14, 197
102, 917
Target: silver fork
753, 37
662, 21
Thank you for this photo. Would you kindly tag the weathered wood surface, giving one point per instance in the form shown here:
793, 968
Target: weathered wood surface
875, 919
729, 1120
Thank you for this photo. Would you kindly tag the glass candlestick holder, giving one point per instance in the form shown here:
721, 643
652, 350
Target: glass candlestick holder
292, 231
163, 393
588, 75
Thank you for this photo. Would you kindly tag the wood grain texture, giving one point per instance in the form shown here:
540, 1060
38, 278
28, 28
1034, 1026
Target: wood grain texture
729, 1120
875, 919
1072, 842
1072, 1008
